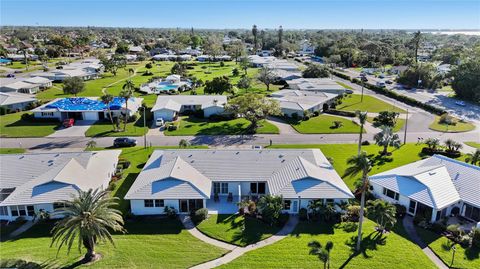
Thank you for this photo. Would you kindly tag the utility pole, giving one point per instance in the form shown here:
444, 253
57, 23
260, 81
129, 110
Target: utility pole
361, 99
144, 126
406, 125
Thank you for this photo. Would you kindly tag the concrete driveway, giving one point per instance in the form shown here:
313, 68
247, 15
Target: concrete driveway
77, 130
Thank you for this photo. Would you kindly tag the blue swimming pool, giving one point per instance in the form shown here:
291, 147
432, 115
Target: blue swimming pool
4, 61
166, 87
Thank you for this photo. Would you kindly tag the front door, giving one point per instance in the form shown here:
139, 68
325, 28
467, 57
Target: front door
183, 206
295, 206
412, 207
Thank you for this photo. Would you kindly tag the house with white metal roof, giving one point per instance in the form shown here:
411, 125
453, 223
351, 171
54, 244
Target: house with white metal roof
43, 83
437, 186
218, 179
316, 84
14, 101
21, 87
168, 107
40, 181
294, 101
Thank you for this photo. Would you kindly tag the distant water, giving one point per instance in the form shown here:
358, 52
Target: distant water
456, 33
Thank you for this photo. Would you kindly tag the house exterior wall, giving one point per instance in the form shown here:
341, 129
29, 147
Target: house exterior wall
90, 115
57, 115
138, 207
290, 112
214, 110
18, 106
234, 185
303, 203
167, 115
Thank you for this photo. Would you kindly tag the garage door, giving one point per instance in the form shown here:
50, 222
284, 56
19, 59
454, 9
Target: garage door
90, 115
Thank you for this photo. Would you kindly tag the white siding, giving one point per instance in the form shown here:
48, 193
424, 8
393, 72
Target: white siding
289, 112
90, 115
166, 114
214, 110
138, 207
57, 115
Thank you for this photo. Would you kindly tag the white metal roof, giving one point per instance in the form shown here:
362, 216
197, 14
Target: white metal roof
37, 80
50, 177
175, 102
437, 181
20, 85
301, 100
276, 167
9, 98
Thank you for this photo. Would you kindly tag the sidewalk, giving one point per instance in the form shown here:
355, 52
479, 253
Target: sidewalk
239, 251
412, 233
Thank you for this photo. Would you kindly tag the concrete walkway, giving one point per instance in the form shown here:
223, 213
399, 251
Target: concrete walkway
239, 251
187, 222
22, 228
412, 233
282, 125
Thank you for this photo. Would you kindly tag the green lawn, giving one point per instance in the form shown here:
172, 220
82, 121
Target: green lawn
197, 126
236, 229
388, 251
468, 258
151, 243
11, 125
323, 124
473, 144
457, 128
344, 85
105, 128
341, 152
352, 102
11, 150
398, 126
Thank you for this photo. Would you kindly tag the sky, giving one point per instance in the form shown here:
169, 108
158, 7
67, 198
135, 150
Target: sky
235, 14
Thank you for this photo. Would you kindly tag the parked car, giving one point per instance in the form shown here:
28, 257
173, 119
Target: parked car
160, 122
348, 91
381, 84
389, 82
381, 76
124, 142
460, 103
10, 76
362, 74
68, 123
364, 79
17, 72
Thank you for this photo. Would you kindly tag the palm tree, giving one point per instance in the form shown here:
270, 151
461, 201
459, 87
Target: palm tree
127, 93
89, 216
91, 144
383, 213
432, 143
473, 158
417, 38
255, 40
452, 145
107, 99
386, 137
362, 118
360, 164
323, 253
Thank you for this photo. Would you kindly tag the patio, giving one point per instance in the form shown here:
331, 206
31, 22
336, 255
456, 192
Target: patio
223, 206
465, 224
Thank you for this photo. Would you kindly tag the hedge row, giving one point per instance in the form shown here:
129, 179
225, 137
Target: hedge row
450, 154
402, 98
341, 113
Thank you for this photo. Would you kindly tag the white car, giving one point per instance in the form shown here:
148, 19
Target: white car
160, 122
460, 103
381, 84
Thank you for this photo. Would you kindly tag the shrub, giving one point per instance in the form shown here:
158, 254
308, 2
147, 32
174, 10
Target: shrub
352, 214
400, 210
302, 214
439, 227
349, 226
172, 127
222, 64
282, 219
112, 185
447, 119
316, 113
170, 212
200, 215
365, 143
295, 116
337, 124
341, 113
132, 118
456, 232
475, 236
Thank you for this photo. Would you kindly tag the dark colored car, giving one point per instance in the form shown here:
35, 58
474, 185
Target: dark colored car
17, 72
10, 76
364, 79
389, 82
124, 142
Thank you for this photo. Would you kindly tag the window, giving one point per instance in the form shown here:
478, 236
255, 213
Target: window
148, 203
261, 188
30, 210
287, 204
22, 211
3, 211
224, 187
257, 187
216, 187
47, 114
58, 205
253, 187
14, 210
472, 212
330, 201
159, 203
390, 193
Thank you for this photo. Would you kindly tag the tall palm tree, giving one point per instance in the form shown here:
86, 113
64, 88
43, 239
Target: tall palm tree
417, 38
386, 137
360, 164
323, 253
255, 40
127, 93
473, 158
362, 118
90, 217
383, 213
107, 99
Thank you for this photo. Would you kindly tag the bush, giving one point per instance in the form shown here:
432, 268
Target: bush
132, 118
352, 214
337, 124
365, 143
222, 64
172, 127
438, 227
295, 116
282, 219
341, 113
447, 119
112, 185
27, 117
170, 212
200, 215
475, 236
432, 151
349, 226
316, 113
400, 210
302, 214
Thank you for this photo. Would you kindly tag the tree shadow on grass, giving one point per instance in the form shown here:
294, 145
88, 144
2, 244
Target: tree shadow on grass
369, 243
22, 264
